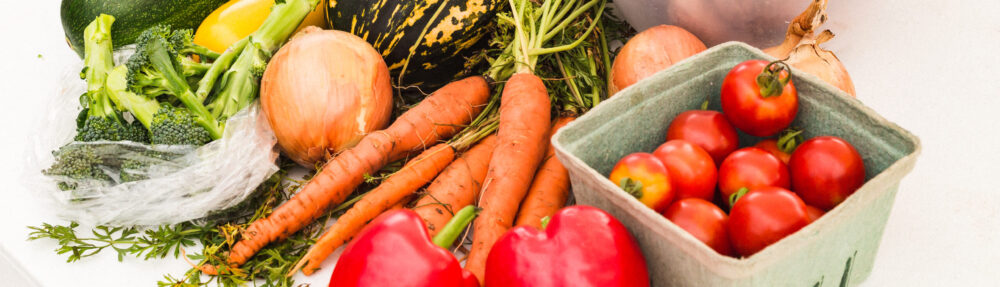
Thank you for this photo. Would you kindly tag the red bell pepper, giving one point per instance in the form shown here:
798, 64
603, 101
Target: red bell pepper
581, 246
396, 250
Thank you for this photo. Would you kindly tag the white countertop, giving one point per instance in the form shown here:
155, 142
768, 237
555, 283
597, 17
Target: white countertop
930, 66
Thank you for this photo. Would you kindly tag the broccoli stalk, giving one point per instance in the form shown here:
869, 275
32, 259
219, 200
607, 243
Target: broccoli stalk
155, 58
102, 121
166, 124
241, 66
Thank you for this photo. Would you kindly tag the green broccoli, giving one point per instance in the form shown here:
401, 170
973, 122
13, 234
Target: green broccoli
234, 78
166, 124
102, 121
154, 68
79, 163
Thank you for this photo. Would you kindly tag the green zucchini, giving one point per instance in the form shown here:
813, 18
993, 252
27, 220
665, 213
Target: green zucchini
132, 17
394, 28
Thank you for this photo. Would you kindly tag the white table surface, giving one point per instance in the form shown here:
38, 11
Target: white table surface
930, 66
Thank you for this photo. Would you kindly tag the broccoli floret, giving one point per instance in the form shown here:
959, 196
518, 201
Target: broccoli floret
77, 163
156, 62
102, 121
166, 124
176, 126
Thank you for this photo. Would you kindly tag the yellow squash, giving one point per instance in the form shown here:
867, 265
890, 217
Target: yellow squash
238, 18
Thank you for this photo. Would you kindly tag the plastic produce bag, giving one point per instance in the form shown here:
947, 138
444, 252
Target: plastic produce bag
147, 184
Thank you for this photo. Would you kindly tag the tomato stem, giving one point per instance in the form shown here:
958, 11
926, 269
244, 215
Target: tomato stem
789, 140
704, 105
631, 186
772, 81
737, 195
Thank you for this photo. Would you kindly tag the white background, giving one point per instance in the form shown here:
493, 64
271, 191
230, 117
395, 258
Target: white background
931, 66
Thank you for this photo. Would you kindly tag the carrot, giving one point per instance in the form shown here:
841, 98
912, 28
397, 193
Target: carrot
524, 123
456, 187
438, 116
415, 174
549, 189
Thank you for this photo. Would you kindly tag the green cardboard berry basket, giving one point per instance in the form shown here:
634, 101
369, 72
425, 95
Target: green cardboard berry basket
837, 250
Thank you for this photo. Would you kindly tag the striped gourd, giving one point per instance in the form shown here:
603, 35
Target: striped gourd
425, 41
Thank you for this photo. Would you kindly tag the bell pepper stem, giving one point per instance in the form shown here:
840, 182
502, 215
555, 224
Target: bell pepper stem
772, 81
454, 227
545, 221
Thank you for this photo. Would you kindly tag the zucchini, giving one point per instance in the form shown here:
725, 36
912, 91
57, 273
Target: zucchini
132, 17
394, 27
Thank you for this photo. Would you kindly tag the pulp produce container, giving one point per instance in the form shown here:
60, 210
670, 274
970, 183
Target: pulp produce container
836, 250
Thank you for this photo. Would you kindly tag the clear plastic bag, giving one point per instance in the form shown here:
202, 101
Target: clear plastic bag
169, 184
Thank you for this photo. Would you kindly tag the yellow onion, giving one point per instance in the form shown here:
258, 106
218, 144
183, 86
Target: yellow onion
801, 49
322, 92
649, 52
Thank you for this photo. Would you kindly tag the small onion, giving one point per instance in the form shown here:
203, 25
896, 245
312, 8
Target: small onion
649, 52
322, 92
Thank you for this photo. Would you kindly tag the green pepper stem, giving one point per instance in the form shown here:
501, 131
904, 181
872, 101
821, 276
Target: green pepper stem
454, 228
772, 81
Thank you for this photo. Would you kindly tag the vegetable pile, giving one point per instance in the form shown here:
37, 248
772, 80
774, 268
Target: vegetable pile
425, 130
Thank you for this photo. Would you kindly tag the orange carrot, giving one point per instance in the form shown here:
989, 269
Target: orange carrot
456, 187
549, 189
415, 174
439, 116
524, 123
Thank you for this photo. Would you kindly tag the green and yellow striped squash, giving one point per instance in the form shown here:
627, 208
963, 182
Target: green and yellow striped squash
430, 39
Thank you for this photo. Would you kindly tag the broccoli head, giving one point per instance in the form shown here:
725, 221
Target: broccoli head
154, 68
79, 163
177, 126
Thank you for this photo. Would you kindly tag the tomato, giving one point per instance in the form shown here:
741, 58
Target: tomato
825, 170
704, 221
643, 175
238, 18
708, 129
759, 106
814, 213
692, 170
751, 168
771, 146
763, 216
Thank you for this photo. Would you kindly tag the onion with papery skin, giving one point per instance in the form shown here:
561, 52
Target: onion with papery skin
322, 92
649, 52
801, 49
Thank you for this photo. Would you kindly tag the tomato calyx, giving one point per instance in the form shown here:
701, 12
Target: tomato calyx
736, 195
631, 186
772, 81
789, 140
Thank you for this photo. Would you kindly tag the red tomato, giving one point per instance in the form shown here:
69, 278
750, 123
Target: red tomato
704, 221
643, 175
825, 170
763, 216
759, 106
751, 168
692, 170
708, 129
814, 213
